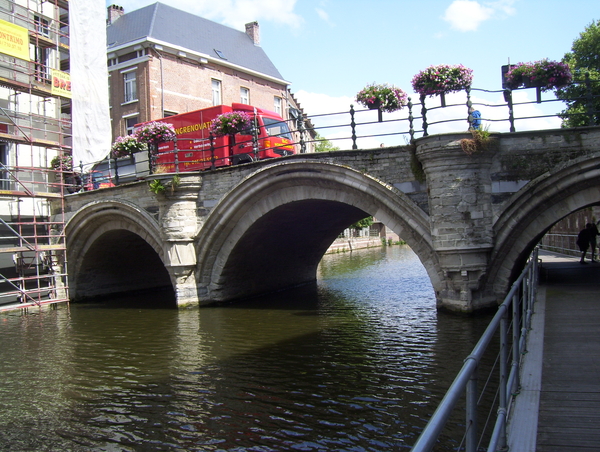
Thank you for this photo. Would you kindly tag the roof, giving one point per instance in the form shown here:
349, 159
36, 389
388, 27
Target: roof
171, 26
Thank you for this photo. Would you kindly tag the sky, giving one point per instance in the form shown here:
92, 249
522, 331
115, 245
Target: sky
330, 49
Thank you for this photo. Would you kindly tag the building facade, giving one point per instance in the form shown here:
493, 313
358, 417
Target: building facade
163, 61
35, 128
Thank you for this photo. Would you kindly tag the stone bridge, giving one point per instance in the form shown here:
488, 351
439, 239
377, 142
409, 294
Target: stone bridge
221, 235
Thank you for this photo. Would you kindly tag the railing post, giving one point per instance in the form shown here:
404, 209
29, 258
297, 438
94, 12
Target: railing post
503, 395
411, 130
516, 332
511, 115
116, 171
471, 409
212, 150
469, 106
353, 126
300, 127
176, 150
424, 115
255, 149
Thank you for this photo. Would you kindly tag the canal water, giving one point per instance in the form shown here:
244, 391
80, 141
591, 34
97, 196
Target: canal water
355, 363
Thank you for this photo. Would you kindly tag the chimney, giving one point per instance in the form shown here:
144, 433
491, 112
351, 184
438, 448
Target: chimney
114, 12
253, 30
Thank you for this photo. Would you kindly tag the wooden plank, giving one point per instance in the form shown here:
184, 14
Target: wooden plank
569, 414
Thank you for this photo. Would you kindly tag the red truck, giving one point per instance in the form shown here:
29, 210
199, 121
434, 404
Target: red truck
193, 150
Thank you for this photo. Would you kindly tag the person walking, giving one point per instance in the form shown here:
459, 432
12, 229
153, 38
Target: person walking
583, 241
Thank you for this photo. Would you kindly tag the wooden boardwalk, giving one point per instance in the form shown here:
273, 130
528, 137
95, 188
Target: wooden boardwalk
560, 402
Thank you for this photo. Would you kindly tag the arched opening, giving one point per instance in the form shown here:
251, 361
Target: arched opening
531, 213
120, 262
114, 248
272, 230
284, 247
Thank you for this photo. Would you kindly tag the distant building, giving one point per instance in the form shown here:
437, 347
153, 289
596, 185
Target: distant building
164, 61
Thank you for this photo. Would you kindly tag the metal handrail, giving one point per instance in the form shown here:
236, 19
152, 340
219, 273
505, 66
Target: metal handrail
519, 302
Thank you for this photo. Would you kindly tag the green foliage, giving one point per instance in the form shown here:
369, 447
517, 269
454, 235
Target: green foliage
157, 187
364, 223
583, 59
415, 166
481, 141
324, 145
62, 163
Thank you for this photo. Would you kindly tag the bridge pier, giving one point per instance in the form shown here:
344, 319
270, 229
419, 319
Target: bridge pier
461, 219
179, 224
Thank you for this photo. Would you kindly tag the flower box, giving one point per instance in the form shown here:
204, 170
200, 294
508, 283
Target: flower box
382, 97
230, 123
155, 132
543, 74
442, 79
127, 145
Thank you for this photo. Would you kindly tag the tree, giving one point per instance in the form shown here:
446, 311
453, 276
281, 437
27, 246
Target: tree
583, 99
364, 223
324, 145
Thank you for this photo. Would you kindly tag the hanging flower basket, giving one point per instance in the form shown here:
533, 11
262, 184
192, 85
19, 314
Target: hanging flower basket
442, 79
155, 132
382, 97
543, 74
62, 163
127, 145
230, 123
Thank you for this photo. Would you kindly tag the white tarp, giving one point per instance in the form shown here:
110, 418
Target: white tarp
89, 81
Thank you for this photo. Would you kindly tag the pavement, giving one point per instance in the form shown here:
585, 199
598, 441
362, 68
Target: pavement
558, 406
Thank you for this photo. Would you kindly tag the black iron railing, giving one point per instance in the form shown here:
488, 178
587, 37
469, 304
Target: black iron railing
357, 128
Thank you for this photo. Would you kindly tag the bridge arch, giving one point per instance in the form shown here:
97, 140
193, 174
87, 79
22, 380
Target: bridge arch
116, 248
280, 220
532, 211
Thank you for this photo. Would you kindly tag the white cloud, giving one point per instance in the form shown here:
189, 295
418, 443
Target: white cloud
467, 15
324, 16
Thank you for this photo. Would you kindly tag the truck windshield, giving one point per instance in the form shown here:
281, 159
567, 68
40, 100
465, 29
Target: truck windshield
276, 128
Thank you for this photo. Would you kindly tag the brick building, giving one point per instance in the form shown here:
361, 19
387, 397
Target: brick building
163, 61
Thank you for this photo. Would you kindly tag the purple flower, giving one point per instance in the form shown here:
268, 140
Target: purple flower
389, 97
442, 79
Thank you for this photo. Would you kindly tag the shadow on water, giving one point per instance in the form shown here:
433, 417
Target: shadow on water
356, 362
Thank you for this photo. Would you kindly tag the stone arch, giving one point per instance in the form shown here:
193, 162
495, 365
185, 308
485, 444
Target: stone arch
114, 247
276, 224
532, 211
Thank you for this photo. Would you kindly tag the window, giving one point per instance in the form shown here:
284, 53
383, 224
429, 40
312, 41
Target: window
277, 105
130, 123
42, 26
41, 64
5, 182
245, 96
216, 92
130, 83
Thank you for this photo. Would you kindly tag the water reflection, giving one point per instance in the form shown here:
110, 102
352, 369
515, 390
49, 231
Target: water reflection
353, 363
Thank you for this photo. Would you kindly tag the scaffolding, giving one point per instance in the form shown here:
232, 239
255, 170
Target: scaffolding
35, 150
